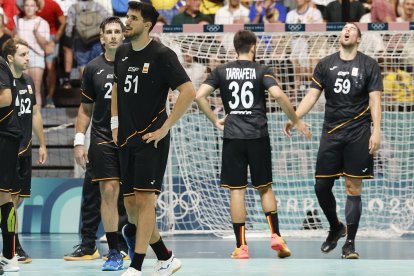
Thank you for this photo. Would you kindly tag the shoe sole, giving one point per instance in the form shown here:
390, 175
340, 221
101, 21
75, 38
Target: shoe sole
27, 261
112, 268
352, 256
84, 258
126, 258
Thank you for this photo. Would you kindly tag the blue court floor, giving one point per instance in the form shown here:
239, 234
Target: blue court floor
209, 255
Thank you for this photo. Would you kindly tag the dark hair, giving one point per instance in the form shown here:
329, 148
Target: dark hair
243, 41
148, 12
109, 20
10, 46
356, 26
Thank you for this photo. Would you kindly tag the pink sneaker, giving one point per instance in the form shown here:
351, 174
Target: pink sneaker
240, 253
278, 243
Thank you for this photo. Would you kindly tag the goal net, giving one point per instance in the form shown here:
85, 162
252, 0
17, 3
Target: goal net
193, 201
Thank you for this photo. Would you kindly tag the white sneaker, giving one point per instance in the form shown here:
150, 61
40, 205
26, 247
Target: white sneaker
10, 265
132, 272
168, 267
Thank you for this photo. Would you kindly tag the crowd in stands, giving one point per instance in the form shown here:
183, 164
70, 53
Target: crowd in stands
57, 43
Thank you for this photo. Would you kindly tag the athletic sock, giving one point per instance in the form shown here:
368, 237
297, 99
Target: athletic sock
137, 261
130, 230
161, 250
239, 232
7, 225
112, 238
273, 222
353, 210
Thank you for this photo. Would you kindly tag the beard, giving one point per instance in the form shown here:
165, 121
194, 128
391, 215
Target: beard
133, 35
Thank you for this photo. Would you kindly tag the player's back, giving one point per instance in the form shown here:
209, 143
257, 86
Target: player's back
242, 90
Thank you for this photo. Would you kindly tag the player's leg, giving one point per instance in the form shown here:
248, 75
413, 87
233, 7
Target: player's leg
23, 190
329, 166
234, 177
260, 164
355, 170
90, 217
8, 163
109, 213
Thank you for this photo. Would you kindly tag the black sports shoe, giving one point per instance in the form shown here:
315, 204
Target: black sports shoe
82, 253
333, 237
348, 250
1, 270
22, 256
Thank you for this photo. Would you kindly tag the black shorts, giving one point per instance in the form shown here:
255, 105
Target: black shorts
104, 161
238, 154
143, 167
345, 154
24, 176
9, 148
66, 41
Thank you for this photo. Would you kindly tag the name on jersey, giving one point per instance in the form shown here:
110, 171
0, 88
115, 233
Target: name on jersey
240, 73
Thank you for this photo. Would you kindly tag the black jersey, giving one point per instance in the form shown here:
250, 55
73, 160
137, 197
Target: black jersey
243, 86
143, 79
96, 87
9, 124
347, 84
24, 107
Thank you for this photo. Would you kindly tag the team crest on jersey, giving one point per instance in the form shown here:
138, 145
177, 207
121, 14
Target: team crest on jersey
22, 91
354, 72
145, 68
29, 88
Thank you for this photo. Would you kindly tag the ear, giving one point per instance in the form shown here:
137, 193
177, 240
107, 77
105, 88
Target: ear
10, 58
148, 25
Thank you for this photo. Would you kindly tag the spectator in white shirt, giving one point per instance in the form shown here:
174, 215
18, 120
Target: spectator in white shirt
232, 13
304, 13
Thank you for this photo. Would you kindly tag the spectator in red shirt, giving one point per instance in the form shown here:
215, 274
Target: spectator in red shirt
10, 10
50, 11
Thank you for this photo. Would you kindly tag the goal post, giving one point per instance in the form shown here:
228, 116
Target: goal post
194, 202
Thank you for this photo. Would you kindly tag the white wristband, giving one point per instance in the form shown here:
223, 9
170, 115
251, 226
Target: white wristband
114, 122
79, 139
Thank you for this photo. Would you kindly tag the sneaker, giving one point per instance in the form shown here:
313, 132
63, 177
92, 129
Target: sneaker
1, 270
66, 84
22, 256
124, 255
131, 272
168, 267
9, 265
130, 242
114, 262
333, 237
348, 250
278, 243
241, 252
82, 253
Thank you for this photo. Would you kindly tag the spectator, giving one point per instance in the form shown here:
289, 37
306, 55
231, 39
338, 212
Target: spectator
408, 11
10, 10
84, 52
66, 43
398, 87
191, 14
304, 13
321, 4
232, 13
168, 9
333, 12
210, 7
32, 28
382, 11
50, 11
3, 36
267, 11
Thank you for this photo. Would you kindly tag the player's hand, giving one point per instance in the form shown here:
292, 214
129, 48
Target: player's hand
155, 136
374, 142
42, 155
220, 123
303, 129
115, 135
287, 130
81, 157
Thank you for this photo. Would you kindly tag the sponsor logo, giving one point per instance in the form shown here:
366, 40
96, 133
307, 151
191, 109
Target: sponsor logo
333, 68
213, 28
100, 72
364, 170
133, 69
22, 92
125, 58
342, 73
294, 27
110, 76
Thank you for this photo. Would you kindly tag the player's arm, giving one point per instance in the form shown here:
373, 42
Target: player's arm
5, 97
81, 125
308, 102
184, 100
38, 130
375, 107
114, 113
287, 107
203, 92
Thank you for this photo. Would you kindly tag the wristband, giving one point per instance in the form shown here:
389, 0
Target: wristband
114, 122
79, 139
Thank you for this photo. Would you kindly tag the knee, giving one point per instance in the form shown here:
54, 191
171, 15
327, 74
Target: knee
323, 185
353, 189
143, 199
